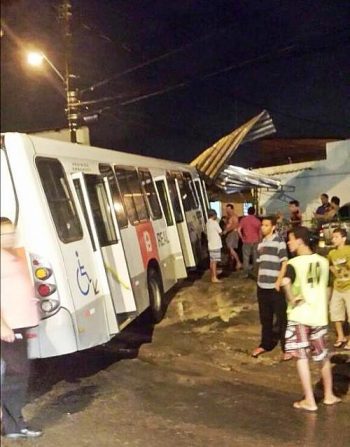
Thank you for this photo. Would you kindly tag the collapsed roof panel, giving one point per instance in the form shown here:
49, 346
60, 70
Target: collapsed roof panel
212, 163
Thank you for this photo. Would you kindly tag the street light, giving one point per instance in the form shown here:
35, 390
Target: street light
36, 59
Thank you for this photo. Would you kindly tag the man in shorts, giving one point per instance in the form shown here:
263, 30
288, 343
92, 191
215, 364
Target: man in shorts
214, 244
232, 235
306, 288
339, 261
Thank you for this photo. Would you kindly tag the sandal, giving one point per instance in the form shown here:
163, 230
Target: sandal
347, 346
339, 343
258, 351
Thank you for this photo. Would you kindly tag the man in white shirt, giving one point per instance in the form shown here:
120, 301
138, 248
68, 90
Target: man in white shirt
214, 244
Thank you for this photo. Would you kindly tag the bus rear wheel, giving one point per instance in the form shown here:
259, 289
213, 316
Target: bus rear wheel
156, 296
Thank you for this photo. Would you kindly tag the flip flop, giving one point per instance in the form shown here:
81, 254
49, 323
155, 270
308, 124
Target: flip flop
339, 343
258, 351
301, 405
333, 402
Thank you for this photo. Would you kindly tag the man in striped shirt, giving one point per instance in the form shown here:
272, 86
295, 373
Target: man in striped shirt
272, 262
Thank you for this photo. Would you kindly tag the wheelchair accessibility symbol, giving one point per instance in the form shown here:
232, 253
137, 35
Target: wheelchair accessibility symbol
83, 279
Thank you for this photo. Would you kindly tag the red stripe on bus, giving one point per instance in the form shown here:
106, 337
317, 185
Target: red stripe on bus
147, 242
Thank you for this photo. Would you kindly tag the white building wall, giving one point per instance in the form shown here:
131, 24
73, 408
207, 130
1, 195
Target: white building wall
331, 176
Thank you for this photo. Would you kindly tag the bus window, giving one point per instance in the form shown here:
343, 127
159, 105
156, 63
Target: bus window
101, 210
185, 191
130, 189
79, 192
116, 197
8, 202
165, 202
174, 199
199, 193
189, 185
59, 197
150, 192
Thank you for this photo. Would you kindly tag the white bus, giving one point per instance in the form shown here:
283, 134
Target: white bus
105, 235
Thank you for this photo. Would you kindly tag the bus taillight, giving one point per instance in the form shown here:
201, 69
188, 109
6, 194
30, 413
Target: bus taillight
46, 291
49, 306
43, 273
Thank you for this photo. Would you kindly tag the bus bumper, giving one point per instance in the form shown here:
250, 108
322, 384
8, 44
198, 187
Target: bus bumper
54, 336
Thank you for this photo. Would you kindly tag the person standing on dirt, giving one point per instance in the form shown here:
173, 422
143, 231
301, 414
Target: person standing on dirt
306, 287
272, 264
18, 312
232, 236
214, 244
250, 233
339, 260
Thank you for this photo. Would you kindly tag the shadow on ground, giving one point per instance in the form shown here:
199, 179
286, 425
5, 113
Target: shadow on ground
45, 373
341, 377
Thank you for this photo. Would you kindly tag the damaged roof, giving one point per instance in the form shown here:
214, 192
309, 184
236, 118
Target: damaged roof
213, 165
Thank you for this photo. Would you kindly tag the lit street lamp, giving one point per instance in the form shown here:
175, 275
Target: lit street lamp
36, 59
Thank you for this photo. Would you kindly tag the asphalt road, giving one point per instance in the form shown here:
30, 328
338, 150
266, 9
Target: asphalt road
189, 381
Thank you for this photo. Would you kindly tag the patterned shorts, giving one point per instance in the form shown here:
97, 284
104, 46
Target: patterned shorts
302, 341
215, 255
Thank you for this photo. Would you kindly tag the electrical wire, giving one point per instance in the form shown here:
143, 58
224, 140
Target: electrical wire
172, 52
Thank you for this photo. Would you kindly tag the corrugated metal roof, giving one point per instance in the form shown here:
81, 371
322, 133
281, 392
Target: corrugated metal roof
233, 179
212, 163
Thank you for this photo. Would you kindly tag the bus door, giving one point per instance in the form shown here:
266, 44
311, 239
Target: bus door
201, 197
171, 228
97, 207
204, 189
183, 228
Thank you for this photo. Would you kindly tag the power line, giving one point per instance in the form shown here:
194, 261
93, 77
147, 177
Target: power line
229, 68
148, 62
172, 52
156, 93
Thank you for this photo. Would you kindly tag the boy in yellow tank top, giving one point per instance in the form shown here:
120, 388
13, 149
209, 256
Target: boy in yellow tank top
339, 260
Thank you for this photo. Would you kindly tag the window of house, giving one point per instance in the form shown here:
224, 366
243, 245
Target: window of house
59, 198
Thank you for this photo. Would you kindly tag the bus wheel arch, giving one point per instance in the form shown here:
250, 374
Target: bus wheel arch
155, 291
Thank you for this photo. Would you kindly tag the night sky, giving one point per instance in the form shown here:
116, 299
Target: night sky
182, 73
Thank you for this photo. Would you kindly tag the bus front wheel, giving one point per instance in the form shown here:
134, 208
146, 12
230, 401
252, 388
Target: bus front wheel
156, 296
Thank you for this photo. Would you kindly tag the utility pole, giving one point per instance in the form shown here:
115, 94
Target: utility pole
72, 107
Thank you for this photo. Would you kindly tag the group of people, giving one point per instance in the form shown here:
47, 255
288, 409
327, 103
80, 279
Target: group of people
293, 297
227, 234
326, 212
293, 292
301, 312
232, 229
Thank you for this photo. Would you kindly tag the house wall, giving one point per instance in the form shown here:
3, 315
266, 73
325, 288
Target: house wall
331, 176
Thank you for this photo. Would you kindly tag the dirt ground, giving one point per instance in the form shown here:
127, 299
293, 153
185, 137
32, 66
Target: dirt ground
189, 381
